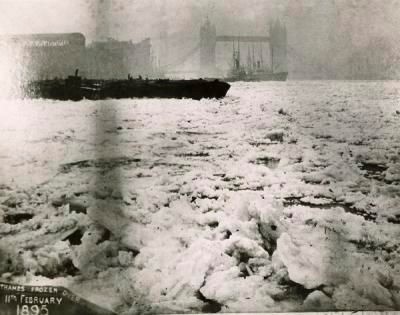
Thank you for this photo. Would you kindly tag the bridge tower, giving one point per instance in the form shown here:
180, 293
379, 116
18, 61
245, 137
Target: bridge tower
208, 43
278, 46
103, 20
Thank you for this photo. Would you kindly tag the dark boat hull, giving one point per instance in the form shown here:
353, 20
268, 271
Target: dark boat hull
263, 76
75, 88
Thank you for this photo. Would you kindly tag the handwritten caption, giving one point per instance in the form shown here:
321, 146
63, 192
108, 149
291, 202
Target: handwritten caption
44, 300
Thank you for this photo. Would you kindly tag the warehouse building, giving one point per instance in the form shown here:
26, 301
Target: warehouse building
48, 56
112, 59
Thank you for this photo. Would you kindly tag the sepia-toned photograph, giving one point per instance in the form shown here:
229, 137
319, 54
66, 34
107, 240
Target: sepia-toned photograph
199, 156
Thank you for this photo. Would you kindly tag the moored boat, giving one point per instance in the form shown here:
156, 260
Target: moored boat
75, 88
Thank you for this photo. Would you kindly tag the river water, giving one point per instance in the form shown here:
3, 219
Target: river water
282, 196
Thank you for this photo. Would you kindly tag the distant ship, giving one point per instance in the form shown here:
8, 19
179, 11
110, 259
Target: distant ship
255, 70
262, 75
75, 88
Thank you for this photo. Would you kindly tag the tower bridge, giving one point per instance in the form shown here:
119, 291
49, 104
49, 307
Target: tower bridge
214, 55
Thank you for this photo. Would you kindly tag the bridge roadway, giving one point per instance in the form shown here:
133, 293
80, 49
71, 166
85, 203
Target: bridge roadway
227, 38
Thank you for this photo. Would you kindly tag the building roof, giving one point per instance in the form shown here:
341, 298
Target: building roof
69, 38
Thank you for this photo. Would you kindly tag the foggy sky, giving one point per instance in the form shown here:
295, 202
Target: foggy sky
135, 19
324, 36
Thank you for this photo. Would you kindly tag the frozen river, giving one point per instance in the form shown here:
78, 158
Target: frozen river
282, 196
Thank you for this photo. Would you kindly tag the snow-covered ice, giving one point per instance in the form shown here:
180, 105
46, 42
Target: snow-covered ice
283, 196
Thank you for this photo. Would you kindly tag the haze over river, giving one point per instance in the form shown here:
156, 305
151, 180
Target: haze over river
282, 196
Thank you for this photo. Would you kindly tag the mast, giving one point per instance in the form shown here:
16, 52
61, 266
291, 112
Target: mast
272, 57
254, 59
234, 55
272, 33
239, 51
249, 60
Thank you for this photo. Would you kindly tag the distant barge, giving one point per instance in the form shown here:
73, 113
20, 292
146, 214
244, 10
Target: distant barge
75, 88
257, 76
